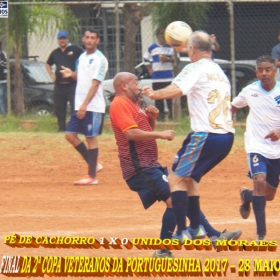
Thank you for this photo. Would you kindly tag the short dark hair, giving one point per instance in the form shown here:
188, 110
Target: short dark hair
266, 58
92, 30
160, 30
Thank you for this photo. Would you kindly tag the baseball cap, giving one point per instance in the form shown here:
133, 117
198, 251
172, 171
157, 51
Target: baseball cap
62, 33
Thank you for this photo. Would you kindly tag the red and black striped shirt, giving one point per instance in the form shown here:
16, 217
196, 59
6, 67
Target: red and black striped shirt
135, 156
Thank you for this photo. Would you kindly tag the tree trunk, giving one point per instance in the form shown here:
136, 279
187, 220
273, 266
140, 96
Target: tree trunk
18, 89
132, 17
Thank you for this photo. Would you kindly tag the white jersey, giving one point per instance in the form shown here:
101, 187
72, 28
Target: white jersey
263, 117
91, 67
208, 91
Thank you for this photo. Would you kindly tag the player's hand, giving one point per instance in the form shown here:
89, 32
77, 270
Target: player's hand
213, 38
81, 112
168, 135
152, 112
163, 58
149, 92
273, 135
66, 72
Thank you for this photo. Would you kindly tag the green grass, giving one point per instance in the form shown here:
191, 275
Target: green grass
40, 124
48, 124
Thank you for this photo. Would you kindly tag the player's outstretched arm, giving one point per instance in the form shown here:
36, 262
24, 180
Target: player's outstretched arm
136, 134
171, 91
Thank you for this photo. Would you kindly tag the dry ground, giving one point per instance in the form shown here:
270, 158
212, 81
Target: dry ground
38, 198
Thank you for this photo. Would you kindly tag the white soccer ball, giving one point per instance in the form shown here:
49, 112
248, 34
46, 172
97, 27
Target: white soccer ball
177, 34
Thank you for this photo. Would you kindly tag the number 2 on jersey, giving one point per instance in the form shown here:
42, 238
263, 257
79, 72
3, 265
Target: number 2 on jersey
222, 107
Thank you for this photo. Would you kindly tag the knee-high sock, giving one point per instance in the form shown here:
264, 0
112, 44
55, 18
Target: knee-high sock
168, 224
179, 205
92, 161
210, 231
194, 211
82, 149
259, 210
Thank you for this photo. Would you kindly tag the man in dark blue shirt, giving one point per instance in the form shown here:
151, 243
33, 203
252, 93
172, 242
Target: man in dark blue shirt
64, 89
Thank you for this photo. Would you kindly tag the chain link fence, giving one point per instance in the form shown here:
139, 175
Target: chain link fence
244, 30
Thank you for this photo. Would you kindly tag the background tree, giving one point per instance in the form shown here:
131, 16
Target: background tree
133, 15
193, 14
40, 20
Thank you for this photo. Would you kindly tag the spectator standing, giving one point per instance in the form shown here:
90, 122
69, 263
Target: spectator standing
159, 59
3, 81
276, 55
87, 119
215, 45
64, 89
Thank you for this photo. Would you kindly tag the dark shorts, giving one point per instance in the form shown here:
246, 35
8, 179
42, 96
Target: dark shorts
201, 152
260, 164
91, 125
151, 185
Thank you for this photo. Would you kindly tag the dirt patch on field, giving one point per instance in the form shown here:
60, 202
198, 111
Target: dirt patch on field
38, 199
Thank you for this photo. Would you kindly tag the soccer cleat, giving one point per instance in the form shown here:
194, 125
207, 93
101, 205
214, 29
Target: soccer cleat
197, 233
190, 234
166, 254
231, 235
86, 181
99, 167
245, 207
260, 237
185, 235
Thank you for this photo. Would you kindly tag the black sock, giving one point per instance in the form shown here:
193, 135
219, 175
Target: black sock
259, 210
179, 202
82, 149
168, 224
210, 231
92, 162
248, 196
194, 211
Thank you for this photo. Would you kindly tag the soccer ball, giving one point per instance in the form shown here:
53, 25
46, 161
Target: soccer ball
177, 34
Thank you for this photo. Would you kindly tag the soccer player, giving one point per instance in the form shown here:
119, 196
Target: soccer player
208, 91
133, 127
261, 140
89, 104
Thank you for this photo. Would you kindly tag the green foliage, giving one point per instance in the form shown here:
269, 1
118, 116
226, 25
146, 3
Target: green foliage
27, 123
193, 14
42, 20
